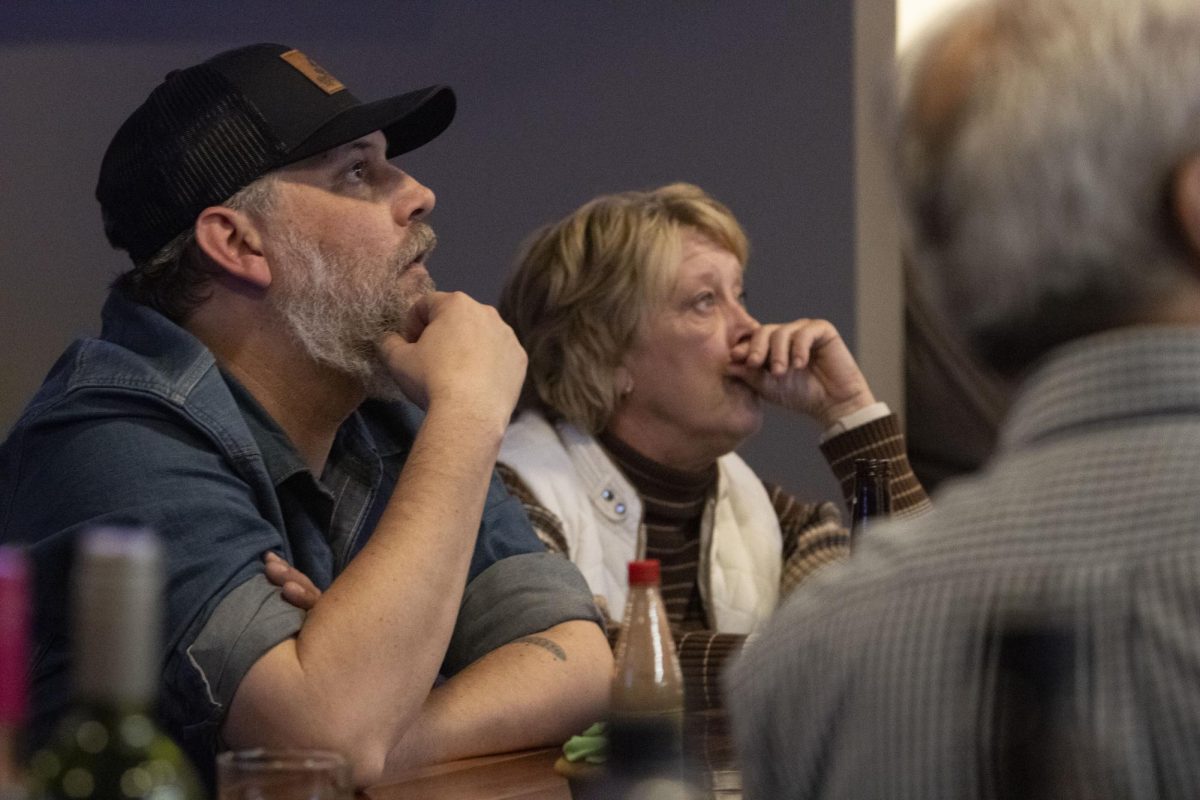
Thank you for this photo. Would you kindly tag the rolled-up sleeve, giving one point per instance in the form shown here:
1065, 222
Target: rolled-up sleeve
248, 622
104, 460
515, 597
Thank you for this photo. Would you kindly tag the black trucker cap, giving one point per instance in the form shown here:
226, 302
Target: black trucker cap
209, 130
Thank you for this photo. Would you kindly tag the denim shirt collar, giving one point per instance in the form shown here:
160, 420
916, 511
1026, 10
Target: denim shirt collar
171, 360
180, 361
283, 461
278, 453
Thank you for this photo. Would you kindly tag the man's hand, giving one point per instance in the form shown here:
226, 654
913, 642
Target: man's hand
458, 350
803, 366
294, 585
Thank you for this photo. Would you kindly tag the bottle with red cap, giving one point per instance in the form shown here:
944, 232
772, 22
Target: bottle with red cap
14, 638
645, 730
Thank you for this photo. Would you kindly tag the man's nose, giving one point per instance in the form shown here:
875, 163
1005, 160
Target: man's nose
414, 201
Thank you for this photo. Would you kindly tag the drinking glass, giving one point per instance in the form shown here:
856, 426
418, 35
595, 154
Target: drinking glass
283, 775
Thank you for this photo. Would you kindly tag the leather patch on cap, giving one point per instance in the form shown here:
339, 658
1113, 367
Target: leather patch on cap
313, 71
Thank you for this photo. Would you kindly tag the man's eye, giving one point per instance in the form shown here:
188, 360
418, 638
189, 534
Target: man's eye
357, 171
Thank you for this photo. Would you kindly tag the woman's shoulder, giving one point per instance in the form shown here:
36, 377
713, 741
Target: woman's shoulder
532, 442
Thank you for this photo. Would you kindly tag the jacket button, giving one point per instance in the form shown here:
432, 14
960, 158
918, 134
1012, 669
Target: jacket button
620, 508
607, 494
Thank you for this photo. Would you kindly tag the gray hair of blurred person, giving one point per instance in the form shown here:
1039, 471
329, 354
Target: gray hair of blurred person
583, 286
174, 281
1036, 142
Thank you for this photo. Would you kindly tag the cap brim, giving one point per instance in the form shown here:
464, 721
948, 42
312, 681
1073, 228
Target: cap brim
407, 121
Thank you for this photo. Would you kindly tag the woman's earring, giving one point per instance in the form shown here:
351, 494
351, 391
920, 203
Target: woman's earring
623, 379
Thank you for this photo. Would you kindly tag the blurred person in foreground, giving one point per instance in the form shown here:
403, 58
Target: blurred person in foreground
1048, 157
646, 371
276, 374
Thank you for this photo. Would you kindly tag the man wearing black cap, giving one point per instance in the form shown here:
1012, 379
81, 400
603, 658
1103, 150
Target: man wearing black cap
277, 375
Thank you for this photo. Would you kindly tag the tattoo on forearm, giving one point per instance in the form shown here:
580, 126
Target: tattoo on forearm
542, 641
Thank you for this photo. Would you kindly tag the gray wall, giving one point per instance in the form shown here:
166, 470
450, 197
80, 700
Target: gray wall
559, 100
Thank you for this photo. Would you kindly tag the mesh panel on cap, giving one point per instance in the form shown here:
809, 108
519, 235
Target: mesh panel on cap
193, 143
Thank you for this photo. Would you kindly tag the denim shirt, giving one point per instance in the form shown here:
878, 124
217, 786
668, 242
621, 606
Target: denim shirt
140, 426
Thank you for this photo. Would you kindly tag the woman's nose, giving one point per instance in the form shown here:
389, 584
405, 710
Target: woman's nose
743, 325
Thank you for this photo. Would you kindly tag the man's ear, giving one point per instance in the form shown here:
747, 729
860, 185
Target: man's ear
1185, 201
233, 242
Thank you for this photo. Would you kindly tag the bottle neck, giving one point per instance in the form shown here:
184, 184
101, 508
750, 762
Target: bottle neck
644, 605
872, 488
117, 655
117, 629
871, 498
646, 674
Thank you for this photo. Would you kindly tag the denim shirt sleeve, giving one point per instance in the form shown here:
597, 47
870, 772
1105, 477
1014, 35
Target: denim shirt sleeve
110, 457
515, 587
504, 530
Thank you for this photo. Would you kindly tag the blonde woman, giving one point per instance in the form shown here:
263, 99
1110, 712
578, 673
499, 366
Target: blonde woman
646, 371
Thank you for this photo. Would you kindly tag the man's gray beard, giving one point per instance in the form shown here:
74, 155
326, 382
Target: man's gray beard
337, 306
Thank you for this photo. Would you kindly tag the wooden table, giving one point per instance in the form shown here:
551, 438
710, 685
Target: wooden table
530, 775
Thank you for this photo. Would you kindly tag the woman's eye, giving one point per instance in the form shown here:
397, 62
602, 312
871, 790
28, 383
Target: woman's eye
705, 301
744, 299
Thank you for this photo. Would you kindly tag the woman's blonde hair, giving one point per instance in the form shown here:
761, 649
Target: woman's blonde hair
582, 287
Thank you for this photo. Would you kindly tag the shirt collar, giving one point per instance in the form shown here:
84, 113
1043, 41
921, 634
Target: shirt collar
1141, 371
279, 454
382, 429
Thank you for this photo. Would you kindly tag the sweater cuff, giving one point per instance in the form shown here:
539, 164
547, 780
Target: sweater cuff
881, 438
877, 410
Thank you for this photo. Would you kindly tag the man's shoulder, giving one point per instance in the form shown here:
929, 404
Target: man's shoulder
1024, 528
140, 396
139, 353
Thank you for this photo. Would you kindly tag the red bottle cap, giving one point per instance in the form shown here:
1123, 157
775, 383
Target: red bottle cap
14, 633
643, 573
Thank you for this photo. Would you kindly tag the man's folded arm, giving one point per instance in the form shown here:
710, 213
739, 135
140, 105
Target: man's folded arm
535, 691
528, 660
358, 672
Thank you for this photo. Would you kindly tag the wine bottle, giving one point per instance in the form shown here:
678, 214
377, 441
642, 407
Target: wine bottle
645, 728
109, 745
872, 495
14, 638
